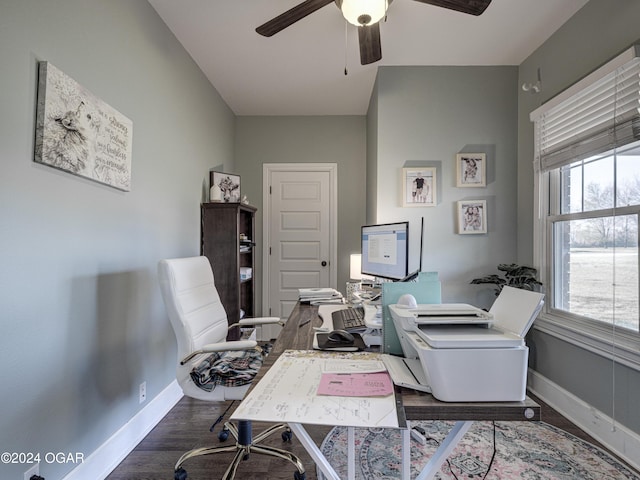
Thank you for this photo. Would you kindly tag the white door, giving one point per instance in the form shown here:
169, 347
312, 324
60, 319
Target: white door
300, 223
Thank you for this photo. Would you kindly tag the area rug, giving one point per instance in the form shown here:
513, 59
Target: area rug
524, 450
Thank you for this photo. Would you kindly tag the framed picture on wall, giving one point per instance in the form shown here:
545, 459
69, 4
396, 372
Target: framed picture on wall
419, 187
471, 170
472, 217
225, 187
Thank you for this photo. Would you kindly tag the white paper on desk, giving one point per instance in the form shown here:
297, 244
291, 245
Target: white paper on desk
288, 393
317, 292
353, 366
327, 301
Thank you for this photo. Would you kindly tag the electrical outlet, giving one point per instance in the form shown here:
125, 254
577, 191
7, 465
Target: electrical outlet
34, 470
143, 392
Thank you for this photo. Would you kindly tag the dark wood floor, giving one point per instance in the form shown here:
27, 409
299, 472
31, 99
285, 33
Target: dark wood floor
186, 426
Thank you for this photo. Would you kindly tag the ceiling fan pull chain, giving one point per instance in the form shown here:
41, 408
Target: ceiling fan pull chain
346, 44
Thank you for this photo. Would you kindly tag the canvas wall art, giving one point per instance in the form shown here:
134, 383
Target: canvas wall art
79, 133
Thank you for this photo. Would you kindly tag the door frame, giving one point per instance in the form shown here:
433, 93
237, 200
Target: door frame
267, 169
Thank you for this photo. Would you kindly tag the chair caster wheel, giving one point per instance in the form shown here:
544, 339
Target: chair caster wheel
286, 436
223, 435
299, 476
180, 474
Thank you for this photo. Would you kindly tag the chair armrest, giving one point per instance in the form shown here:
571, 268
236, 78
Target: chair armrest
257, 321
221, 347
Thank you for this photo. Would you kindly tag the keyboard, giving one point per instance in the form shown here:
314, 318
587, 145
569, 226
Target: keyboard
348, 319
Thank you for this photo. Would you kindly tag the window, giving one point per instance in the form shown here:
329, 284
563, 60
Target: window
587, 167
594, 241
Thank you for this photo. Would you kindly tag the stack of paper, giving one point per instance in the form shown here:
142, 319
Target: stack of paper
318, 296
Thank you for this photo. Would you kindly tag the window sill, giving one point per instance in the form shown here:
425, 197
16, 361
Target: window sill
620, 344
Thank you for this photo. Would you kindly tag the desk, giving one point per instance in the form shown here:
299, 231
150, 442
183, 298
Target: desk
411, 405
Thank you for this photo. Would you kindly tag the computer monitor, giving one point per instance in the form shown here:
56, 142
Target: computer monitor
385, 250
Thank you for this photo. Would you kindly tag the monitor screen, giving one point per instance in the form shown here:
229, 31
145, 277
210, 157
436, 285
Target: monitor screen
385, 250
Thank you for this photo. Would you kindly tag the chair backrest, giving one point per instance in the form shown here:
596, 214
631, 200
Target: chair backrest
192, 302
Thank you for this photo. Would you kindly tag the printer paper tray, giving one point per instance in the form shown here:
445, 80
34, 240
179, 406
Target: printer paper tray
450, 314
456, 336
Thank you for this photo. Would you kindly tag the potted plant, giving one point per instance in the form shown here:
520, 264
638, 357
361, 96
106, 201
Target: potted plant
515, 275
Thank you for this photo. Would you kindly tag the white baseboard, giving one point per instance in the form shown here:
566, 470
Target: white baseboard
108, 456
623, 442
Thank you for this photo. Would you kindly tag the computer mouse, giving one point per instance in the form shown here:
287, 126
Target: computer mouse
340, 336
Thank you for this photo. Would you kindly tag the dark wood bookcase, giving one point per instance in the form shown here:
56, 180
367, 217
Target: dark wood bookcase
227, 240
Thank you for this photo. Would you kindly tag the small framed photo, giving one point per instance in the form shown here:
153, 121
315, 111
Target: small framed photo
472, 216
471, 170
419, 187
225, 187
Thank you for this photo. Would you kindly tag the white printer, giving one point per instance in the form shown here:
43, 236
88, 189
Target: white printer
482, 360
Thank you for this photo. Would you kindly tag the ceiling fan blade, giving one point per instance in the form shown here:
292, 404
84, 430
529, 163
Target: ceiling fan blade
291, 16
370, 47
472, 7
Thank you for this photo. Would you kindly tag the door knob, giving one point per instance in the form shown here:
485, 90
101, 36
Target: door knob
324, 263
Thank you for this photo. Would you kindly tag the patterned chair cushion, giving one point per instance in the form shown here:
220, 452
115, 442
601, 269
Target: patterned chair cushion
230, 369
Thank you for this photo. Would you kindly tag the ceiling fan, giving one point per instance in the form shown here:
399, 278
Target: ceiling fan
365, 14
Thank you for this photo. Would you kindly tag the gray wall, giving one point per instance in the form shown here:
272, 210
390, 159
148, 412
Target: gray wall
424, 117
81, 317
596, 34
82, 320
325, 139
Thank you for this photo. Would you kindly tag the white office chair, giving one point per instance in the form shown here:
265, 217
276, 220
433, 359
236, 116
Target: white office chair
200, 323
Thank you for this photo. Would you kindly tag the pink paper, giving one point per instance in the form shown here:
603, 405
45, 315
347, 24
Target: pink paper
356, 384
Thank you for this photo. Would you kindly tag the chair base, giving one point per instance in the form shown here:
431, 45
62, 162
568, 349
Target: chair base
244, 446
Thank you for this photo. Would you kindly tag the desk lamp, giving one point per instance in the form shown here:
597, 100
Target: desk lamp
356, 276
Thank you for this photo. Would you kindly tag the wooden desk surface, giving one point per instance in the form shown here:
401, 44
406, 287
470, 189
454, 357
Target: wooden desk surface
298, 335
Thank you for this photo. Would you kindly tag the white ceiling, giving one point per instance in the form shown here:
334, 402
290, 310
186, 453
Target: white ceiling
300, 70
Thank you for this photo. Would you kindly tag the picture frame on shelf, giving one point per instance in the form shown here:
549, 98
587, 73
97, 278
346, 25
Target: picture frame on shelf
472, 217
471, 170
419, 187
225, 187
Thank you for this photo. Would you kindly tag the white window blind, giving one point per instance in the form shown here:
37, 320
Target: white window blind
595, 115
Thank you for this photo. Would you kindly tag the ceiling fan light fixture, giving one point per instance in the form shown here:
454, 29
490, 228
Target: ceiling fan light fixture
364, 12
